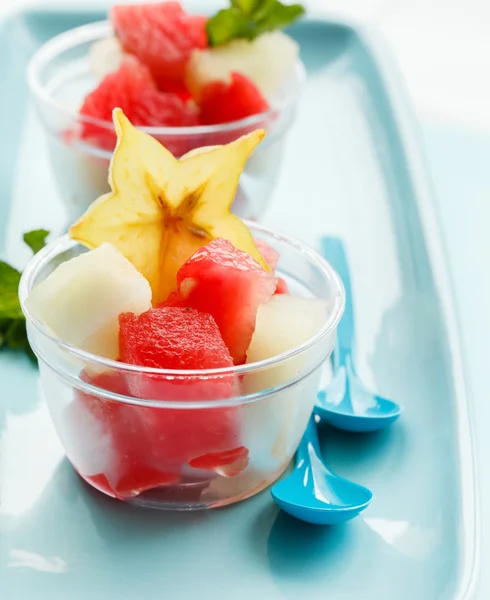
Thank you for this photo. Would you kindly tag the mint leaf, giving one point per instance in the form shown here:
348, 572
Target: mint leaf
246, 7
16, 336
4, 325
36, 239
226, 25
263, 9
13, 332
277, 16
249, 19
9, 284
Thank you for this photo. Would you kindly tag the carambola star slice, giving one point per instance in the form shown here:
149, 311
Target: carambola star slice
161, 209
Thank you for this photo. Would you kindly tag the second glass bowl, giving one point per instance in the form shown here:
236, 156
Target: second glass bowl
60, 76
151, 448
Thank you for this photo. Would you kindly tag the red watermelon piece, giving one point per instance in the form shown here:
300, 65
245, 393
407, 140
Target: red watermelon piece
174, 338
228, 463
132, 463
281, 287
224, 102
180, 90
184, 339
101, 483
162, 35
270, 255
229, 285
132, 88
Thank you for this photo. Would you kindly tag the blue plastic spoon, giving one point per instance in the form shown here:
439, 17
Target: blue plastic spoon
314, 494
346, 403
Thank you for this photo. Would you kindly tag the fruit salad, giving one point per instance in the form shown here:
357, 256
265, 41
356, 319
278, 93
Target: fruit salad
179, 368
165, 67
190, 80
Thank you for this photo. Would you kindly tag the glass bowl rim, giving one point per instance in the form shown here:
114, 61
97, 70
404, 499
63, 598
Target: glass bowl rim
64, 243
95, 31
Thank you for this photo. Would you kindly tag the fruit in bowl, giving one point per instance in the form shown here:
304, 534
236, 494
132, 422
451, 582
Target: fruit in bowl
188, 80
179, 371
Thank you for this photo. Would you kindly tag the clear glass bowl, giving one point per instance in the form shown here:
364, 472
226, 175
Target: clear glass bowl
60, 76
127, 430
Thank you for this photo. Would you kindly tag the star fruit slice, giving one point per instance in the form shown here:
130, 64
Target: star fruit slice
162, 210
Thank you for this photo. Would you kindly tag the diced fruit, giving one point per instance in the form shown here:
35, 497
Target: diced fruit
101, 483
267, 61
273, 426
184, 339
132, 89
270, 255
162, 210
105, 56
228, 463
224, 102
229, 285
173, 338
283, 323
179, 89
132, 462
82, 299
163, 109
161, 35
282, 286
272, 258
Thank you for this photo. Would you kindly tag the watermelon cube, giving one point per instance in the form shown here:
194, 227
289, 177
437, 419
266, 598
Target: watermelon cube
224, 102
272, 258
132, 89
229, 285
268, 252
184, 339
162, 35
129, 464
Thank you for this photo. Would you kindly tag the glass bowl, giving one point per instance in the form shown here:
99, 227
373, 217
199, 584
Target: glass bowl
127, 430
60, 76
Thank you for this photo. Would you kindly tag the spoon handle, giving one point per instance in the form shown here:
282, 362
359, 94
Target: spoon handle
309, 441
333, 250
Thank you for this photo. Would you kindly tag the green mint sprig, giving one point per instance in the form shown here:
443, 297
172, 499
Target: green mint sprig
249, 19
12, 321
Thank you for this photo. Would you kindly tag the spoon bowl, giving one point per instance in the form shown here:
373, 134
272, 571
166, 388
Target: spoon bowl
347, 403
314, 494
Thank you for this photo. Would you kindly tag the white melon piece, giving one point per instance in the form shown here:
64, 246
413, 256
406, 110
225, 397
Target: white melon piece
105, 56
272, 426
80, 301
268, 61
282, 324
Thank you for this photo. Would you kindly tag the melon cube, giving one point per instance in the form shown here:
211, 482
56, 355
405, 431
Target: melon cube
274, 424
105, 56
80, 301
282, 324
268, 61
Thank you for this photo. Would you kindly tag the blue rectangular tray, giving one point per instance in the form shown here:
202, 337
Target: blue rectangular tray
352, 168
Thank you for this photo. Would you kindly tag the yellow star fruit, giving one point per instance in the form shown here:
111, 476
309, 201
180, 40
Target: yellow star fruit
162, 209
